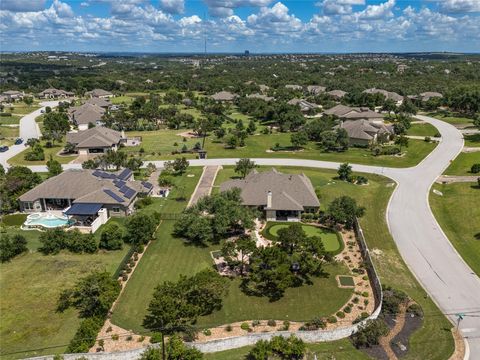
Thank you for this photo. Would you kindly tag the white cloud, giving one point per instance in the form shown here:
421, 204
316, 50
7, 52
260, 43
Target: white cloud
22, 5
190, 20
339, 7
225, 8
173, 6
459, 6
374, 12
62, 9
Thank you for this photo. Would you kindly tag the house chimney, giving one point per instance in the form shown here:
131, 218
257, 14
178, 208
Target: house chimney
123, 134
269, 199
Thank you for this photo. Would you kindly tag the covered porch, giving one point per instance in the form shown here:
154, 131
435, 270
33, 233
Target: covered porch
87, 216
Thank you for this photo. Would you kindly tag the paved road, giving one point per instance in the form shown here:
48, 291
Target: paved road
205, 184
422, 244
28, 129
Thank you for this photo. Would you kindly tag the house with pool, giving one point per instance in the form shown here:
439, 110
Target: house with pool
82, 198
280, 197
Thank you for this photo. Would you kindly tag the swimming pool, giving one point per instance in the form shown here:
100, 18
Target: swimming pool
46, 220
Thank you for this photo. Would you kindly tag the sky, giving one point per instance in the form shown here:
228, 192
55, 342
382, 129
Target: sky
260, 26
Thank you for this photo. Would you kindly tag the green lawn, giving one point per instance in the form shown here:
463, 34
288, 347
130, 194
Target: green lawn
424, 129
329, 238
337, 350
10, 120
30, 285
458, 213
19, 159
122, 99
22, 108
463, 163
472, 140
390, 266
159, 145
8, 134
458, 119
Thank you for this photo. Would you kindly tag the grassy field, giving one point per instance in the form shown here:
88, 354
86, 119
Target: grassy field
31, 284
472, 140
457, 119
424, 129
329, 238
21, 108
463, 163
458, 213
8, 134
338, 350
159, 145
392, 270
10, 120
19, 159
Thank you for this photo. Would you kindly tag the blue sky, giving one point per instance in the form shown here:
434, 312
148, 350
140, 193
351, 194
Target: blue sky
237, 25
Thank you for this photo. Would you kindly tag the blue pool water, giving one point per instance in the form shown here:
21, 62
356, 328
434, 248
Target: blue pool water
46, 220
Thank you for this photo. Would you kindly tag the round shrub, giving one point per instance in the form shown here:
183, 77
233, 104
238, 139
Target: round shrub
347, 309
332, 319
286, 325
255, 323
115, 337
207, 332
355, 300
365, 294
272, 323
340, 314
475, 169
415, 309
245, 327
228, 328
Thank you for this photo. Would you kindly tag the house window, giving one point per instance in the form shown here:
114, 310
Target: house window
116, 209
28, 206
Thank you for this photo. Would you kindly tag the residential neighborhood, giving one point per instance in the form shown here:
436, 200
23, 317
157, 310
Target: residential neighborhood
242, 180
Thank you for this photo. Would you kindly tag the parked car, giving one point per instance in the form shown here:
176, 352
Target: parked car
3, 148
18, 141
42, 111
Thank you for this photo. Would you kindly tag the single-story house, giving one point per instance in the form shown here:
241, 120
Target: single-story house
263, 88
425, 96
86, 196
96, 140
13, 95
354, 113
304, 105
224, 96
53, 93
337, 94
364, 132
388, 94
316, 89
99, 93
280, 197
84, 115
294, 87
260, 96
102, 102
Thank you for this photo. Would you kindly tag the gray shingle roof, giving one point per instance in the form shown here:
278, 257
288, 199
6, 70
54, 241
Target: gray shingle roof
224, 96
363, 129
86, 114
98, 136
289, 191
82, 186
98, 92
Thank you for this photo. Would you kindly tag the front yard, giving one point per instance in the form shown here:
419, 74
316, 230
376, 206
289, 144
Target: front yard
458, 213
160, 144
463, 163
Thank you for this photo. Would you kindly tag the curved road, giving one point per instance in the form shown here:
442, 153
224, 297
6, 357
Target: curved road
423, 245
28, 130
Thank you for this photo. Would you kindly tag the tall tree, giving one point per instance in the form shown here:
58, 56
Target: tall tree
244, 166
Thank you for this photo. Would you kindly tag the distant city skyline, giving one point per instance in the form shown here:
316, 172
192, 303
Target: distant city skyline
233, 26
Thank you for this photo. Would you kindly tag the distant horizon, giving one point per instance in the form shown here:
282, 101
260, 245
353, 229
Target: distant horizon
260, 26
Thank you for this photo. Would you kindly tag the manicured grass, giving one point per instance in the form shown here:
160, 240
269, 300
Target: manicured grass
30, 286
9, 132
424, 129
472, 140
463, 163
454, 120
259, 145
22, 108
329, 238
346, 281
122, 99
338, 350
10, 120
13, 219
389, 264
19, 159
458, 213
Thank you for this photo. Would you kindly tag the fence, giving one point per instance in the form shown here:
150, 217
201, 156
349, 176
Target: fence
251, 339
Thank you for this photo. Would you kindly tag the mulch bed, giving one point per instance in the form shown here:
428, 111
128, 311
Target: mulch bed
375, 352
399, 343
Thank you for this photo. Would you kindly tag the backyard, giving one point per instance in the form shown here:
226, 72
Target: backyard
458, 213
31, 284
331, 240
168, 257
